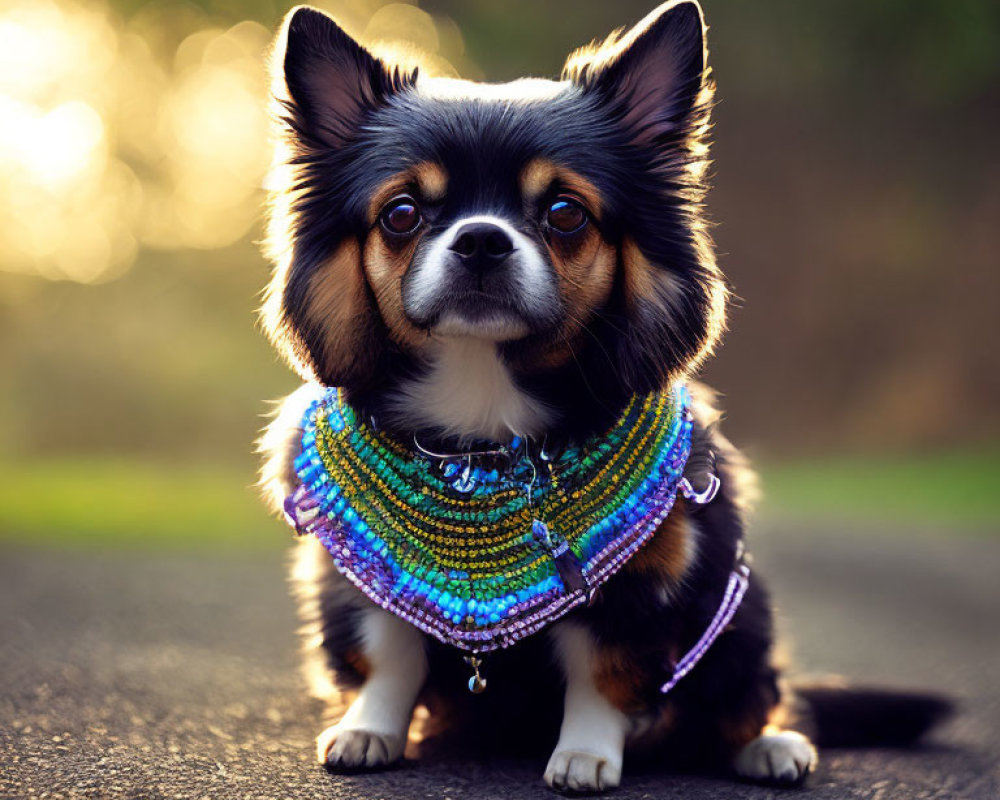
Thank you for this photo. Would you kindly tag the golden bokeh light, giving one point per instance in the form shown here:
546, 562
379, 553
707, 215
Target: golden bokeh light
150, 132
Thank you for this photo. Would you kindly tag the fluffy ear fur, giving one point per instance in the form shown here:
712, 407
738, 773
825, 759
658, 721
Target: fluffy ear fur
332, 80
318, 309
654, 86
652, 75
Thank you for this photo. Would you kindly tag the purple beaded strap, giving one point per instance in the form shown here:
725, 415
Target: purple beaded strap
739, 580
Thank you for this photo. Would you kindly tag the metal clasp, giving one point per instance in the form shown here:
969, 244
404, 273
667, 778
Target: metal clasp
703, 497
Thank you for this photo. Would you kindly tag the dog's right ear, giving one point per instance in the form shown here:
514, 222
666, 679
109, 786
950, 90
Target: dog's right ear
318, 309
332, 81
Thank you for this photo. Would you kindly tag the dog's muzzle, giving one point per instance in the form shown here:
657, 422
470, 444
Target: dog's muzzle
481, 277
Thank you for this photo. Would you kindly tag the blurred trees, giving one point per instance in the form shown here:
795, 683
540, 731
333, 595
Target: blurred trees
858, 193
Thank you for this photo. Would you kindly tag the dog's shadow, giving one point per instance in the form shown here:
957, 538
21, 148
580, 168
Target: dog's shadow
474, 766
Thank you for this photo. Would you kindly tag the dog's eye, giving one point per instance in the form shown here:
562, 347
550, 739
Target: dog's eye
401, 216
566, 215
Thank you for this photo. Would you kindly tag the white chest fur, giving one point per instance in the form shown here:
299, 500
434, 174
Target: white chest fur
469, 392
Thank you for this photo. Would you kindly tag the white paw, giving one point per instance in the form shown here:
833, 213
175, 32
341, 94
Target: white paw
785, 757
347, 749
576, 771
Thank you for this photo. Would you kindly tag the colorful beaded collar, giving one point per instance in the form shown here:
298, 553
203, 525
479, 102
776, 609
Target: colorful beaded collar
481, 550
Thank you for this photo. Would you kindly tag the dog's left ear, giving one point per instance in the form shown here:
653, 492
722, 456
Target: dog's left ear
653, 75
654, 85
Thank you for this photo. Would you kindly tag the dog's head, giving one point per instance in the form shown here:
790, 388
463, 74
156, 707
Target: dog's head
559, 221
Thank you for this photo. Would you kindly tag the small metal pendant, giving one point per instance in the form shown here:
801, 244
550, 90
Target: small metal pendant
567, 564
477, 683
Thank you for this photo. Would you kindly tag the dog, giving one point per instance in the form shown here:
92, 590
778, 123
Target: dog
473, 262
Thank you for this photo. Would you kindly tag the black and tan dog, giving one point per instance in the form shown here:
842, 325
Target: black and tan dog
473, 260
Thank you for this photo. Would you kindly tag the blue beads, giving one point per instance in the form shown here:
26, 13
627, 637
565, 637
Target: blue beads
310, 473
472, 550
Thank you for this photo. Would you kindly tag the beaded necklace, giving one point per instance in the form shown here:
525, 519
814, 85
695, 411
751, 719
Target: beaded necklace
482, 549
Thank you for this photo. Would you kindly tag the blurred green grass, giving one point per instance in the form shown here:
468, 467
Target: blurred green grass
108, 503
957, 490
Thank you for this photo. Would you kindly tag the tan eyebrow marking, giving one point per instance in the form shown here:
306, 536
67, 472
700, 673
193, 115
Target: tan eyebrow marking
536, 178
541, 173
430, 178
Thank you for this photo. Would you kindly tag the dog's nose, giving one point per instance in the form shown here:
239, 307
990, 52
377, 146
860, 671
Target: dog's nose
481, 246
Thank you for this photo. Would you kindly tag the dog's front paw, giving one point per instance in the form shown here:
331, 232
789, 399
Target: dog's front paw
577, 771
349, 750
785, 757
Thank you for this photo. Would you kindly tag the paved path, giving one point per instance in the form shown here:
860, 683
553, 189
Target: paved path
146, 677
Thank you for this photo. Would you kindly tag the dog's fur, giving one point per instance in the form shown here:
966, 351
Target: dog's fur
549, 339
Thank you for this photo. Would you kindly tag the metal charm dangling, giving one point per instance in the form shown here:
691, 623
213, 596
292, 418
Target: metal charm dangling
567, 564
477, 683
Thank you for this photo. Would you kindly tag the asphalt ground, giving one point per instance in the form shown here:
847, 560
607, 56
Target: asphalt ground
146, 676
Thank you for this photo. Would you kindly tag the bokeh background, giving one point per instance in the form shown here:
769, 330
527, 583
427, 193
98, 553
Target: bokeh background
857, 196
